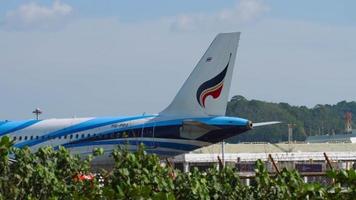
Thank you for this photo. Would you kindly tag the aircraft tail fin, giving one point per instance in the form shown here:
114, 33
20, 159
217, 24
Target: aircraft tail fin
206, 90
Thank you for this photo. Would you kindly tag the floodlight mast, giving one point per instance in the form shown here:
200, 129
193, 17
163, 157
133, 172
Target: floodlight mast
37, 112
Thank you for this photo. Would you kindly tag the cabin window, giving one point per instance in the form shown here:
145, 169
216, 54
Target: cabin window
76, 136
60, 137
20, 138
82, 135
65, 137
88, 135
31, 138
43, 137
37, 137
14, 137
71, 136
26, 137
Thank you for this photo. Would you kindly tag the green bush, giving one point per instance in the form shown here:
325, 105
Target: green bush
138, 176
49, 174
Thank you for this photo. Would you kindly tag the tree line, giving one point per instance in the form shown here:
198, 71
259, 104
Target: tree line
319, 120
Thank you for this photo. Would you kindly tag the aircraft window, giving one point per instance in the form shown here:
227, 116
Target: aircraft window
15, 138
43, 137
60, 137
65, 137
76, 136
71, 136
20, 138
82, 135
26, 137
31, 138
37, 137
88, 135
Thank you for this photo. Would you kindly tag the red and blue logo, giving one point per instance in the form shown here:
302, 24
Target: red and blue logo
212, 87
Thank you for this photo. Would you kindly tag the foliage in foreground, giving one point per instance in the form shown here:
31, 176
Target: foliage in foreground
49, 174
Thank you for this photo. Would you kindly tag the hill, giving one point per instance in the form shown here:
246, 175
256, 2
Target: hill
321, 119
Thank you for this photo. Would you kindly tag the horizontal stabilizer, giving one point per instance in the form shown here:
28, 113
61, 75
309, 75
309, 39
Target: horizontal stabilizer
195, 129
200, 125
265, 123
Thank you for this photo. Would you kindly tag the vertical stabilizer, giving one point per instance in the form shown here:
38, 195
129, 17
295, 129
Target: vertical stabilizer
206, 90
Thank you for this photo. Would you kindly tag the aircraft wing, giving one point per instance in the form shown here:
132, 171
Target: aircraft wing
265, 123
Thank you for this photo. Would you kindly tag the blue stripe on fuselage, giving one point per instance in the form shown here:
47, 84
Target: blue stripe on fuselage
13, 126
90, 124
214, 121
3, 122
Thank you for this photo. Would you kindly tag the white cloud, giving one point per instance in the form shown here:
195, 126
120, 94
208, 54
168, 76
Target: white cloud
35, 16
244, 12
248, 10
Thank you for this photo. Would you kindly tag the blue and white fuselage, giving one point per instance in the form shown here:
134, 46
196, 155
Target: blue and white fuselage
161, 135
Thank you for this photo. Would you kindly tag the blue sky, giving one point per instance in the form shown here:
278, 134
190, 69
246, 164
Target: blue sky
326, 11
105, 58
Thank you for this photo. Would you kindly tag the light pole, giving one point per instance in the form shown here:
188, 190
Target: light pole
223, 152
37, 112
290, 132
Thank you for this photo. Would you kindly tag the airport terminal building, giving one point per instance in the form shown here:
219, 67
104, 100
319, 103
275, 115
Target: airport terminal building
312, 160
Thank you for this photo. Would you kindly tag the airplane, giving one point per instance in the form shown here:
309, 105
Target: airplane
194, 119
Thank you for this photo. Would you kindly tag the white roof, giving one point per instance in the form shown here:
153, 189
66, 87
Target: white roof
292, 156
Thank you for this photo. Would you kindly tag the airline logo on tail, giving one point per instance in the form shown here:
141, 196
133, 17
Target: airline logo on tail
212, 87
